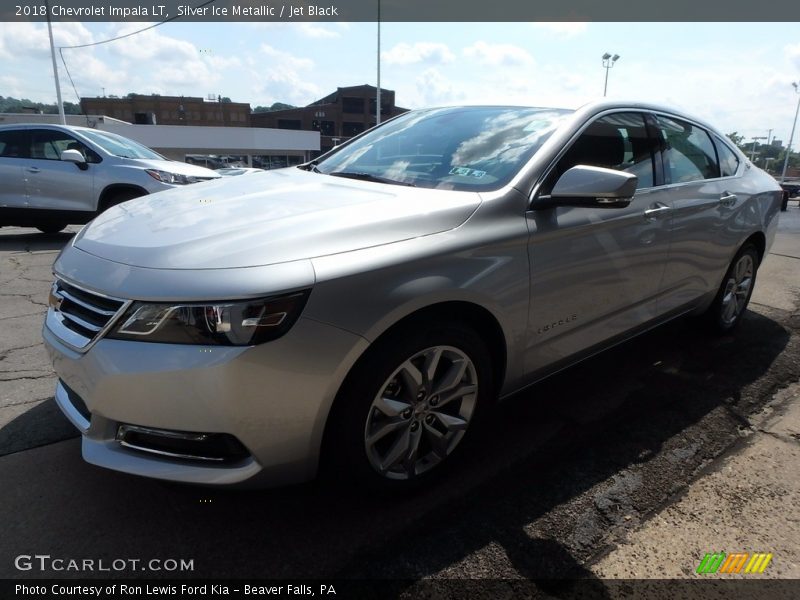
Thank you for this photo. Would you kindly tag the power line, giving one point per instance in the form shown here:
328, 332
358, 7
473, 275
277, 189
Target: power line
114, 39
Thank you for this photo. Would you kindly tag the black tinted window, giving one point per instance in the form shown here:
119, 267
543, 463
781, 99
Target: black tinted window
728, 161
13, 144
689, 154
48, 144
617, 141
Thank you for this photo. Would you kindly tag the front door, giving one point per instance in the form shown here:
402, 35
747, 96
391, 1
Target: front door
54, 184
596, 272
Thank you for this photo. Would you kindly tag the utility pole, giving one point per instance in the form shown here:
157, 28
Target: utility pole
61, 114
791, 135
378, 95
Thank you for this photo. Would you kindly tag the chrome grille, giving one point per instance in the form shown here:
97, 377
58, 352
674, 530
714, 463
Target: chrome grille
77, 316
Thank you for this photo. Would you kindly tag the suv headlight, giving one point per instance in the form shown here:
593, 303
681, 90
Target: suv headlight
167, 177
237, 323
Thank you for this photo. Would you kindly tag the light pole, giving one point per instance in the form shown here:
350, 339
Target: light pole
791, 135
608, 63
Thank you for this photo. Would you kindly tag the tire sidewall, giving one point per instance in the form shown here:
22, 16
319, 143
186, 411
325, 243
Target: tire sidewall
344, 454
716, 308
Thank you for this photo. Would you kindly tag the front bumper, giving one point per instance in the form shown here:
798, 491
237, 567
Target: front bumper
274, 398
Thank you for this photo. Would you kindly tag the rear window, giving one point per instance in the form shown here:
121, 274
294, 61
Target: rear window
13, 144
728, 161
689, 154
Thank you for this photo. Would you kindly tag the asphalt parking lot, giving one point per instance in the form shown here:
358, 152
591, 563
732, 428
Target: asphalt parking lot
564, 476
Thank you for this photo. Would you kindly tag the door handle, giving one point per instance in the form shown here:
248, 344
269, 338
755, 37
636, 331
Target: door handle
727, 199
656, 211
32, 169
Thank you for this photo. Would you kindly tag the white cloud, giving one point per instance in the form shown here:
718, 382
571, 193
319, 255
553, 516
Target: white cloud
316, 31
564, 29
279, 78
434, 88
279, 58
409, 54
151, 45
498, 55
29, 40
793, 54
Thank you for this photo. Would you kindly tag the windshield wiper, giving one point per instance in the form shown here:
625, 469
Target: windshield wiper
369, 177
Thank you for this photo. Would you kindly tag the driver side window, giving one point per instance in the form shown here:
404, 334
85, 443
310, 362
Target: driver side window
618, 141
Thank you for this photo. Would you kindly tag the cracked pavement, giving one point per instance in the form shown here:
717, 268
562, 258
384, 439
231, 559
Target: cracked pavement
673, 440
26, 377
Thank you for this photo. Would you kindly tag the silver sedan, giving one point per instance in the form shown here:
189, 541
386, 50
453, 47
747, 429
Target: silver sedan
358, 314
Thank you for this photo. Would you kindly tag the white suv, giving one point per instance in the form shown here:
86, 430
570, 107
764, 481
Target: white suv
54, 175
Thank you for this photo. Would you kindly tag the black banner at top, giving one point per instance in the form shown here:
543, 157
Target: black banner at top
399, 10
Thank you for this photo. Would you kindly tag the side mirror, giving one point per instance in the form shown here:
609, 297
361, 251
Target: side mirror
597, 187
74, 156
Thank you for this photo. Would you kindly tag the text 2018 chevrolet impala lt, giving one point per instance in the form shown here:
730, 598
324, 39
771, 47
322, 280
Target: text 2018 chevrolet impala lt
360, 312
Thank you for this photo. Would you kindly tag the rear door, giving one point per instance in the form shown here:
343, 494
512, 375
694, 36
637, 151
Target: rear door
596, 272
14, 147
54, 184
704, 205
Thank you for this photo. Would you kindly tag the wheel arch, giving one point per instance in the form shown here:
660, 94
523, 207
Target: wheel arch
115, 188
759, 240
478, 317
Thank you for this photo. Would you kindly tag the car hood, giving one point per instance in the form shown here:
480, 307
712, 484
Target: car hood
172, 166
268, 218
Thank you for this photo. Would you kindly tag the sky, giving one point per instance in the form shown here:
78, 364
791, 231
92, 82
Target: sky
737, 76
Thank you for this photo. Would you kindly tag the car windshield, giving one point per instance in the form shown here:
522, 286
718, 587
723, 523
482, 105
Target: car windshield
466, 148
121, 146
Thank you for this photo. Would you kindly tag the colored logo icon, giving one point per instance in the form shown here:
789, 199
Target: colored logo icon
739, 562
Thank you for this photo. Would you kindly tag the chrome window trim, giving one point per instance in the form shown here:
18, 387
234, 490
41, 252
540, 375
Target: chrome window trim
712, 133
571, 141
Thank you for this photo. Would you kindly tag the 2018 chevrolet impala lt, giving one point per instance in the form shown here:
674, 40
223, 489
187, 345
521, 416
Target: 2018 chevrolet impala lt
360, 312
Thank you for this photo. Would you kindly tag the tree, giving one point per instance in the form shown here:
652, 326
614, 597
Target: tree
737, 139
275, 106
24, 105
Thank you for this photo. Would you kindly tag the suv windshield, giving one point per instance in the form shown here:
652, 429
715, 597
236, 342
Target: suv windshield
466, 148
120, 146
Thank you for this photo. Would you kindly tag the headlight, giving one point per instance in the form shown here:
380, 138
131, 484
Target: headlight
167, 177
237, 323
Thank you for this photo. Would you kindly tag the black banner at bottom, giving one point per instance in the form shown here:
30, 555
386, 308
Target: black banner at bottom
433, 589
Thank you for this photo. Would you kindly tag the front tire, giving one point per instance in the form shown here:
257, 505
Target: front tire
405, 411
734, 293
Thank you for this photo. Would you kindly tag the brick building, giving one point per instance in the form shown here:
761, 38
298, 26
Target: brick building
345, 113
170, 110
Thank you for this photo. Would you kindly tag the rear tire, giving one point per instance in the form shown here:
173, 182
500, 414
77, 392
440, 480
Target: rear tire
725, 313
51, 227
405, 411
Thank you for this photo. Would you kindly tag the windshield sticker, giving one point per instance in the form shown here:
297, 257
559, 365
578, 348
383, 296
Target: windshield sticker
467, 172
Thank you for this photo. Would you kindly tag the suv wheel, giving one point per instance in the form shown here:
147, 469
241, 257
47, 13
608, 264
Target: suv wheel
734, 293
118, 198
51, 227
406, 410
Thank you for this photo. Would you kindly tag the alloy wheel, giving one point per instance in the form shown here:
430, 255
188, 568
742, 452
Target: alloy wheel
737, 289
421, 412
